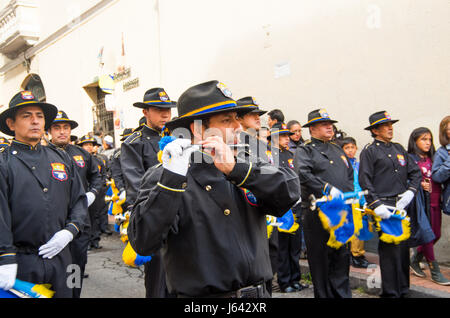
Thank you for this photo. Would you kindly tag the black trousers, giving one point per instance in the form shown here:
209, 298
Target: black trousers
155, 278
78, 249
394, 265
34, 269
289, 248
273, 254
329, 267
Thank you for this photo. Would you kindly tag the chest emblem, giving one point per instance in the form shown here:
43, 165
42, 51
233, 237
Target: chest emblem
250, 197
291, 163
401, 160
269, 156
59, 171
79, 161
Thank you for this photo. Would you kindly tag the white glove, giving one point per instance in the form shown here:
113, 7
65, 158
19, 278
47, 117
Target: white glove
90, 198
8, 276
56, 244
336, 193
176, 156
406, 198
122, 195
383, 212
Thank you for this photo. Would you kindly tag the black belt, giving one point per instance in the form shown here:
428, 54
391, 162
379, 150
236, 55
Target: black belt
256, 291
27, 249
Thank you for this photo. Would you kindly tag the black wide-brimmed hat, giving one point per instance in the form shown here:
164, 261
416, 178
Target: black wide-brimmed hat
21, 100
279, 129
62, 117
250, 102
317, 116
156, 97
87, 139
203, 101
126, 132
379, 118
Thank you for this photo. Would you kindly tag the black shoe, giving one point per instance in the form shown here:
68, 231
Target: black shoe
360, 262
299, 287
288, 289
96, 245
107, 232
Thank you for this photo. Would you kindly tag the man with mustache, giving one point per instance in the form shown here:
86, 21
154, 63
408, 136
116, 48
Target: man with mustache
206, 210
42, 200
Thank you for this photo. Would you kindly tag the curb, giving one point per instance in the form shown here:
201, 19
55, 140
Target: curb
360, 280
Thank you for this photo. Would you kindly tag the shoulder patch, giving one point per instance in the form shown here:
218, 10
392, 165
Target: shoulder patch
133, 137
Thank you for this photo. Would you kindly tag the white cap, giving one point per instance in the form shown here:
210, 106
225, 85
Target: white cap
109, 140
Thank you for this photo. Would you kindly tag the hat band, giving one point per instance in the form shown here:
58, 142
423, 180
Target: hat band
280, 132
379, 121
30, 102
61, 119
211, 108
157, 102
249, 105
318, 118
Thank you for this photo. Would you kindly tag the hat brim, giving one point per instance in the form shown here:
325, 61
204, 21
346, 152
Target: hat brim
50, 112
73, 124
319, 121
283, 133
185, 121
159, 105
380, 123
87, 142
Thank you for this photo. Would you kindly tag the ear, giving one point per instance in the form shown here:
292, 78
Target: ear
10, 122
197, 130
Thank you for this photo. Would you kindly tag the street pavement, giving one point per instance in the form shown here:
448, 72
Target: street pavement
109, 277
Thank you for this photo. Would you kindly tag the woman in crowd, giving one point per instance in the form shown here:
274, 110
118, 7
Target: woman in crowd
296, 139
421, 148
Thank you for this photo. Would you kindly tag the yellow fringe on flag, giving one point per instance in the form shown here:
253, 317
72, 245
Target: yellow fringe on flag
44, 290
357, 225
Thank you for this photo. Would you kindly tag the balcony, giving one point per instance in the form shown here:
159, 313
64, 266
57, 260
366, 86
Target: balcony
19, 27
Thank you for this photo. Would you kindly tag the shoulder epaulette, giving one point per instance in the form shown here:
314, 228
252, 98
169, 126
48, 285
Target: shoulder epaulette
133, 137
367, 146
307, 142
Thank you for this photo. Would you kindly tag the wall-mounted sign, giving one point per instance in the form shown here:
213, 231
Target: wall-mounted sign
120, 76
131, 84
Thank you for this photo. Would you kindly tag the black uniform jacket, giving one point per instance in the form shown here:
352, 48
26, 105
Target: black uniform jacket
138, 153
256, 150
212, 231
40, 194
386, 170
321, 165
116, 170
86, 167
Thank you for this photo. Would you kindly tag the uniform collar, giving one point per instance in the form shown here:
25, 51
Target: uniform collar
25, 146
60, 147
317, 140
380, 142
151, 130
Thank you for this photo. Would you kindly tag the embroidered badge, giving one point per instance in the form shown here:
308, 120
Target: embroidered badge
163, 96
269, 156
291, 163
323, 112
225, 90
345, 160
250, 197
387, 115
401, 160
59, 115
79, 161
255, 102
59, 171
27, 95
